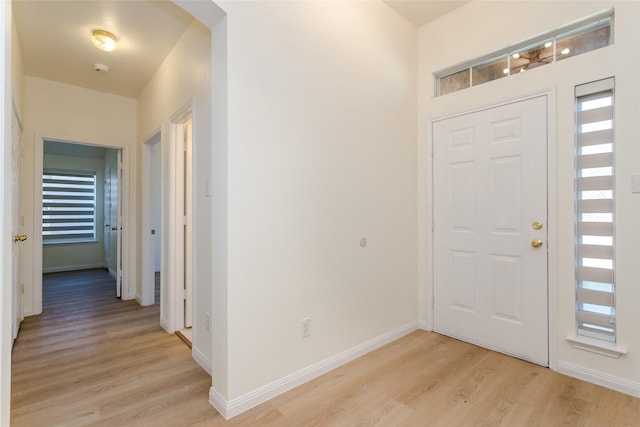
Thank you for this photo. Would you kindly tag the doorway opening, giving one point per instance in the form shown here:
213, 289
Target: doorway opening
167, 221
182, 173
79, 207
152, 221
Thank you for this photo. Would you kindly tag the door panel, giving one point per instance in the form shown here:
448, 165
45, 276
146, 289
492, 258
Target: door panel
116, 213
490, 284
107, 217
16, 227
113, 215
188, 229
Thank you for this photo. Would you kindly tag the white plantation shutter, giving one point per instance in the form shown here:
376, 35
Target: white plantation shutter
68, 207
595, 216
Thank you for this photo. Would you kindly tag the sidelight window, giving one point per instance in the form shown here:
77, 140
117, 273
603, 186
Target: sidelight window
595, 213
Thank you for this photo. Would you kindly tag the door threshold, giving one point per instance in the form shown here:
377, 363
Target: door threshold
185, 336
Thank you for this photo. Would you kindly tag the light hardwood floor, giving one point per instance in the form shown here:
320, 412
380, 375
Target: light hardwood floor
91, 359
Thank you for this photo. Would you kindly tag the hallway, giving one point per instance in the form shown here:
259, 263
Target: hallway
91, 358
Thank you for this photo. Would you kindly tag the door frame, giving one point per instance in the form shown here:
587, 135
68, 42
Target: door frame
154, 142
427, 241
174, 247
127, 291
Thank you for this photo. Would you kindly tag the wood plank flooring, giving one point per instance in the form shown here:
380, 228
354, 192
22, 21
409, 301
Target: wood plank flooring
91, 359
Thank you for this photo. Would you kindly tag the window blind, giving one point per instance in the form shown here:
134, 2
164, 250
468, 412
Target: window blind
595, 213
68, 207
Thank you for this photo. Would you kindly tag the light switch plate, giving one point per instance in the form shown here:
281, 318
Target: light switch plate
635, 182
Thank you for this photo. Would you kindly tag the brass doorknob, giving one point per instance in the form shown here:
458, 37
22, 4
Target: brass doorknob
536, 243
19, 237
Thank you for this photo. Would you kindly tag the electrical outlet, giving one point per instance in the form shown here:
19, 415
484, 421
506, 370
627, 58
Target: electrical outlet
207, 321
305, 327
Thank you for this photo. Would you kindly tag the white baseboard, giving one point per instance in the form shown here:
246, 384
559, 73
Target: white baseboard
201, 359
113, 274
218, 402
424, 325
622, 385
164, 323
71, 268
229, 409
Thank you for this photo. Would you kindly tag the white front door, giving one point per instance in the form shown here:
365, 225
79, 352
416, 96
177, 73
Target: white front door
490, 210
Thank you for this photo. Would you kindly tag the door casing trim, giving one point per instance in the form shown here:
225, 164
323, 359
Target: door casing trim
147, 294
127, 292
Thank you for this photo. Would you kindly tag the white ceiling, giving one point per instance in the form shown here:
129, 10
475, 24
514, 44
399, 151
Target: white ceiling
55, 40
421, 12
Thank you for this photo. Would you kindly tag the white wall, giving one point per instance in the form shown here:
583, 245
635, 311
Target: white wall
69, 113
321, 152
482, 27
183, 78
77, 256
17, 70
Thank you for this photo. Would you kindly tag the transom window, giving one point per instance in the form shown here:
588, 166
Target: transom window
68, 207
562, 43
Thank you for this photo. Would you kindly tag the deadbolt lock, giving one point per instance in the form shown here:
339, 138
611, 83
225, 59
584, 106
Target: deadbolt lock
536, 225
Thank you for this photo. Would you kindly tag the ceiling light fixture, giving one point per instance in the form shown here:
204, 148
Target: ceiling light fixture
104, 40
565, 51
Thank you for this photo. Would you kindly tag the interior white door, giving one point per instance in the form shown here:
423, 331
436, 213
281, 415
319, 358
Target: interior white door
116, 213
490, 210
188, 270
107, 216
19, 238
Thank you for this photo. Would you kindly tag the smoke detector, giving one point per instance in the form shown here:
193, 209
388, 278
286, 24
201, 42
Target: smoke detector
101, 68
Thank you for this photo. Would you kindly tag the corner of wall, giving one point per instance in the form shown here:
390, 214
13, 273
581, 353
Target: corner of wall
201, 359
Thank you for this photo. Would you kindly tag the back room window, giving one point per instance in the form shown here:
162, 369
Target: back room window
68, 207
